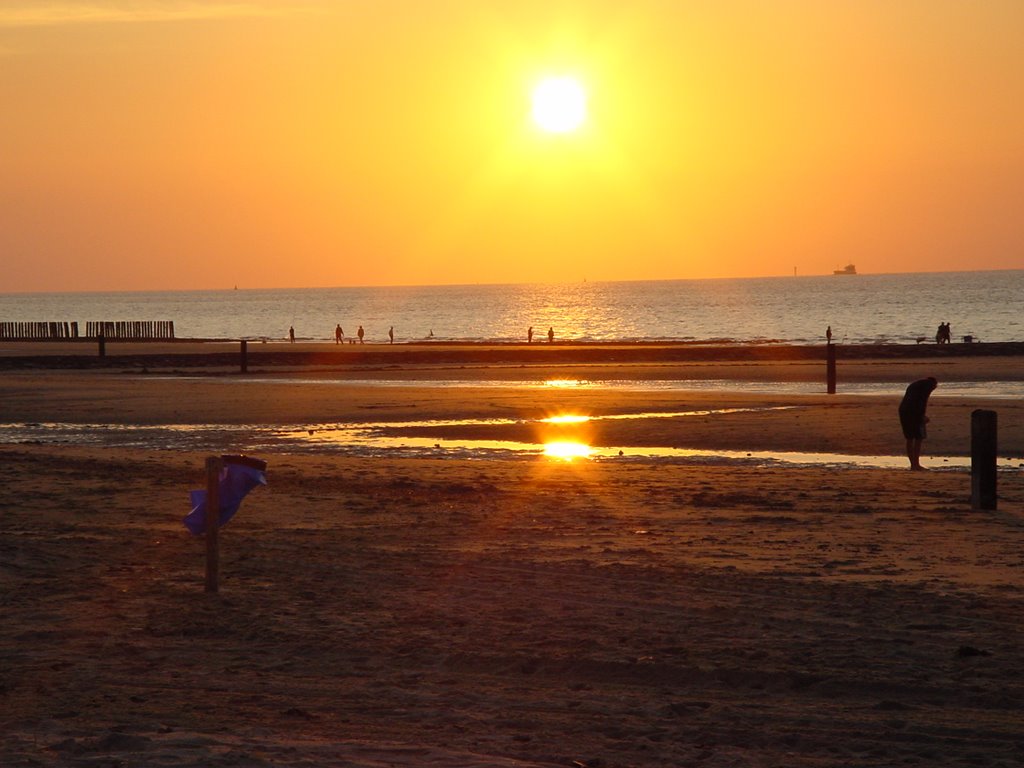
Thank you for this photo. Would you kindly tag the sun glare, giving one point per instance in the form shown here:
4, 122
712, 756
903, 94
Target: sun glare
568, 450
568, 418
559, 104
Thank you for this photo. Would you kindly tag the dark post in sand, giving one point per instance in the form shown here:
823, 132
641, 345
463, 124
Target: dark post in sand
102, 341
214, 465
983, 459
831, 363
245, 356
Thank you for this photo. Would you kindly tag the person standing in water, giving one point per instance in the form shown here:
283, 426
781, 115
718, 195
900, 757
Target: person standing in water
551, 335
339, 334
913, 419
360, 333
391, 334
529, 335
291, 334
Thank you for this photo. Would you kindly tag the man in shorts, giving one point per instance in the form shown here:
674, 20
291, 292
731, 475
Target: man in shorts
913, 418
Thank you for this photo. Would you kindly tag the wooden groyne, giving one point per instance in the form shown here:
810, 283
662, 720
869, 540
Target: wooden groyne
35, 331
119, 330
131, 330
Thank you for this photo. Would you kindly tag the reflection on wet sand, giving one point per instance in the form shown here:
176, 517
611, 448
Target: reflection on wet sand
560, 436
996, 389
568, 418
567, 450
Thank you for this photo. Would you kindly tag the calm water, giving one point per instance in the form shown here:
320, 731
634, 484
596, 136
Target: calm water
860, 309
374, 439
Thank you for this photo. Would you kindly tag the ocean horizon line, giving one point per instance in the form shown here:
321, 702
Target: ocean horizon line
539, 283
871, 308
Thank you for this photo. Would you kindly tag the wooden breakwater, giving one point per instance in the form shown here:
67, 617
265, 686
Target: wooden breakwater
115, 330
34, 331
131, 329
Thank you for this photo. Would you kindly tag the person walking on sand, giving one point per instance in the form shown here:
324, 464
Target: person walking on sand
551, 335
913, 419
339, 334
391, 334
360, 333
529, 335
291, 334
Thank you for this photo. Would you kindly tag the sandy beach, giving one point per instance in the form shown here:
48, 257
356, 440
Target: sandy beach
532, 611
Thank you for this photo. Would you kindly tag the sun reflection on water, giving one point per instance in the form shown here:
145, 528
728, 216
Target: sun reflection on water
564, 383
567, 450
566, 418
367, 439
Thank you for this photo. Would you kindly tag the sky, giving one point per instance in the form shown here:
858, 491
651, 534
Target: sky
177, 144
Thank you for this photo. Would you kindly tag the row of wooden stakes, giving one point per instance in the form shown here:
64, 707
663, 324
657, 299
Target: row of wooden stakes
119, 329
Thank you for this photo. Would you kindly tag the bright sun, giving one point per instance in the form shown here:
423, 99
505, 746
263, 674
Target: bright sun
559, 104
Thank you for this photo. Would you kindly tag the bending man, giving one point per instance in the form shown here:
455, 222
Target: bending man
913, 418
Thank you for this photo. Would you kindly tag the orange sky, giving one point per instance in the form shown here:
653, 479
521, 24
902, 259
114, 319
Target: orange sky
186, 144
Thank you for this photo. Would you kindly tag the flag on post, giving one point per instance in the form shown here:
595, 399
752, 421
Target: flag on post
240, 475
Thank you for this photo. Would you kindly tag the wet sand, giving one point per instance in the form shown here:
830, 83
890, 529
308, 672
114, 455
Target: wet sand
439, 612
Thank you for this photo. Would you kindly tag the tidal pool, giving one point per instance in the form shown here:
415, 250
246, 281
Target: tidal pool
373, 439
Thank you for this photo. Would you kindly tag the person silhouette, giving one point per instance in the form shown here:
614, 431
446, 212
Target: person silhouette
529, 335
913, 419
291, 334
360, 334
551, 335
391, 334
828, 335
339, 334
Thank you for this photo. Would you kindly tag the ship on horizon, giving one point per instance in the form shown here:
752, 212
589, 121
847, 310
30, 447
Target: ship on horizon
849, 269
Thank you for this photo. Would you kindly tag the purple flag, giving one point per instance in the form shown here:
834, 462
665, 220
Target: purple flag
239, 476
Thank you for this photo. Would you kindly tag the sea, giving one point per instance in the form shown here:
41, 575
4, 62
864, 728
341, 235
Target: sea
860, 309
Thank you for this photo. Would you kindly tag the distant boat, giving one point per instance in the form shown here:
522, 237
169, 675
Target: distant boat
849, 269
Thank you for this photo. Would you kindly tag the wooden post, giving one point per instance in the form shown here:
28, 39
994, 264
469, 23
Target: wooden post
831, 358
102, 340
983, 459
245, 356
214, 465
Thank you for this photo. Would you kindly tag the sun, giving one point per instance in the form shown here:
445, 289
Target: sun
559, 104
